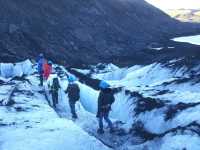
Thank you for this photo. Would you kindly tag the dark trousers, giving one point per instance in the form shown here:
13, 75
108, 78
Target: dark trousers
55, 98
41, 79
105, 116
73, 110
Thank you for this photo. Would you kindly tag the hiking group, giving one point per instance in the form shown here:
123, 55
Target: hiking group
105, 99
44, 68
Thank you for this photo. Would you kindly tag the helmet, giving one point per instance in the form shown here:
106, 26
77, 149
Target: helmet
41, 55
71, 78
104, 85
50, 62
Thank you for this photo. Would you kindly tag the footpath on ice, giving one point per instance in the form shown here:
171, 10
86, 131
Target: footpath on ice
29, 123
28, 120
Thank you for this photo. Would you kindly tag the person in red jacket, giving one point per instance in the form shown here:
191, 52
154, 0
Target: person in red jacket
47, 69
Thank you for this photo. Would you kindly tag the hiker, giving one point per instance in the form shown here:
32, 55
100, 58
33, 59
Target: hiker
47, 69
73, 91
54, 89
105, 100
40, 64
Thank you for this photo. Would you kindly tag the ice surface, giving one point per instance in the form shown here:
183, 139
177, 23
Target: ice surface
9, 70
189, 39
31, 120
159, 82
31, 124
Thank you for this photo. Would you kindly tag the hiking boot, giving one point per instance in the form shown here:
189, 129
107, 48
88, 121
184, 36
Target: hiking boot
100, 131
74, 117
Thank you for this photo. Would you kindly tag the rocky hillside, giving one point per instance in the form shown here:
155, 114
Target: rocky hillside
186, 15
76, 32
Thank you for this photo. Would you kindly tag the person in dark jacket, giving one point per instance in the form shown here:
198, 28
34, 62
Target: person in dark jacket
54, 90
105, 100
73, 91
40, 67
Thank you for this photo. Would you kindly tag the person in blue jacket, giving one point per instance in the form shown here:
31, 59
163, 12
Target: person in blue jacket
40, 67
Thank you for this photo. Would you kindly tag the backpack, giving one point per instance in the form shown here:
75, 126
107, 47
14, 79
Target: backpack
109, 96
112, 99
73, 92
105, 100
55, 84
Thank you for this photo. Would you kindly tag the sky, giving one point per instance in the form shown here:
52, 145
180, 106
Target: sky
175, 4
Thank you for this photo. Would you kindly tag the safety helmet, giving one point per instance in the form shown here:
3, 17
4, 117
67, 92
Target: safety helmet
41, 55
104, 85
72, 79
50, 62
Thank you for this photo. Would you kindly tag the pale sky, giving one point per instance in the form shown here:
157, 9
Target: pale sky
174, 4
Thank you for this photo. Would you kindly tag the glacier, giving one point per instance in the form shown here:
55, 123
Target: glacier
156, 107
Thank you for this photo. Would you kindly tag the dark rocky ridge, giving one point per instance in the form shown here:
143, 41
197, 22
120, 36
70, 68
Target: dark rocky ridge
77, 32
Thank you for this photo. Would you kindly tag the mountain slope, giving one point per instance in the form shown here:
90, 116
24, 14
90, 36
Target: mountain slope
76, 32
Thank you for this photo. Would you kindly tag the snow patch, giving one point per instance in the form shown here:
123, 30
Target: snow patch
189, 39
9, 70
